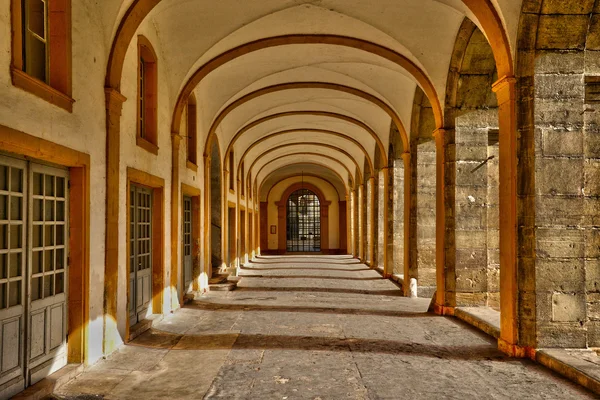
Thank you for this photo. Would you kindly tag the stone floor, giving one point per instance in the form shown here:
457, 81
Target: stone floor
314, 327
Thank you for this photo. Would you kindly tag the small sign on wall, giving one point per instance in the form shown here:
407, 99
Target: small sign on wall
273, 229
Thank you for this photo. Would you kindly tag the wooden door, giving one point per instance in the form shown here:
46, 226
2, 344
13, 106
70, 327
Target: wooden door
187, 244
140, 253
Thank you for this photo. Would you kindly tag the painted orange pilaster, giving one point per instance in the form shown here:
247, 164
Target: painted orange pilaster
371, 255
238, 227
361, 216
174, 281
114, 105
348, 226
207, 240
505, 90
225, 217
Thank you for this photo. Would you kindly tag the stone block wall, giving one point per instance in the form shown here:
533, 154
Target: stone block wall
559, 179
477, 244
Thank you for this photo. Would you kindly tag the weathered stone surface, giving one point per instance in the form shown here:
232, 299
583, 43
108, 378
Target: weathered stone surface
568, 307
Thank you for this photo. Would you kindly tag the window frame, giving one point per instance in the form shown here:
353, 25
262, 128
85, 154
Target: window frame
192, 133
147, 96
58, 88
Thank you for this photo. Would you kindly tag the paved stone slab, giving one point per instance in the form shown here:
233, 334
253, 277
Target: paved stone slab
315, 327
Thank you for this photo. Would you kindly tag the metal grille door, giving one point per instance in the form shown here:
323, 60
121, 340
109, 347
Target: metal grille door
187, 244
303, 222
140, 253
33, 272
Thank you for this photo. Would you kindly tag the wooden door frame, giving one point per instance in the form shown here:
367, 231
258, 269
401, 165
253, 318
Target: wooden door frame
23, 144
194, 193
157, 186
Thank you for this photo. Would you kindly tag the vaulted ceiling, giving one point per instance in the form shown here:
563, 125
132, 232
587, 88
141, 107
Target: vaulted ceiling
283, 82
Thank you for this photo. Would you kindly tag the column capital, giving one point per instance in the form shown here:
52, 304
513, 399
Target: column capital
405, 156
504, 89
371, 178
176, 137
114, 100
439, 133
207, 158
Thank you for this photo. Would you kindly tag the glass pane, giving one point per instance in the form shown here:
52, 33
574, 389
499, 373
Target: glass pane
49, 235
48, 285
60, 235
60, 187
14, 293
3, 177
35, 57
36, 288
3, 207
60, 283
36, 17
38, 209
3, 265
3, 295
49, 210
49, 189
60, 259
16, 236
16, 263
3, 237
16, 180
49, 260
60, 210
38, 235
16, 208
36, 262
38, 184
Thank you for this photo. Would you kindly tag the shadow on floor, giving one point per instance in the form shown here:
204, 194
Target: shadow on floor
303, 268
341, 278
320, 310
389, 292
241, 341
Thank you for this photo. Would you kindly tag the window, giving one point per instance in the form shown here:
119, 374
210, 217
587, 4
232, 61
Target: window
231, 175
192, 134
147, 136
250, 185
242, 179
303, 222
41, 49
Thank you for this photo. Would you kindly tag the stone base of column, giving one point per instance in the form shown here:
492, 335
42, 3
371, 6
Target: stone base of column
443, 310
516, 351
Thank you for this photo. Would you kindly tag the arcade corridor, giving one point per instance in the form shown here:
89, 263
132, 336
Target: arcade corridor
314, 327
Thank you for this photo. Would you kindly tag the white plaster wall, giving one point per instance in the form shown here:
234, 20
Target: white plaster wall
83, 130
328, 191
138, 158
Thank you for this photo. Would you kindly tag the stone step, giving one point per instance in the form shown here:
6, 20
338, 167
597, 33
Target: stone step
222, 287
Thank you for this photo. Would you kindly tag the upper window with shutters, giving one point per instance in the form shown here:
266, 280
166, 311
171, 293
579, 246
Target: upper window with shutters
41, 49
147, 95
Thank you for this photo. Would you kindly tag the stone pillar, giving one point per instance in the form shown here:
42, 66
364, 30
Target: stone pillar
353, 217
114, 106
385, 257
445, 296
409, 262
207, 213
509, 290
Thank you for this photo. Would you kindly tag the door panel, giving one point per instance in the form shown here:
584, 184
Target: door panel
13, 195
48, 229
140, 256
187, 244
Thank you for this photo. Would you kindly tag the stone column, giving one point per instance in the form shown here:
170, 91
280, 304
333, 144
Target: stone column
348, 225
387, 265
114, 106
373, 207
409, 266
